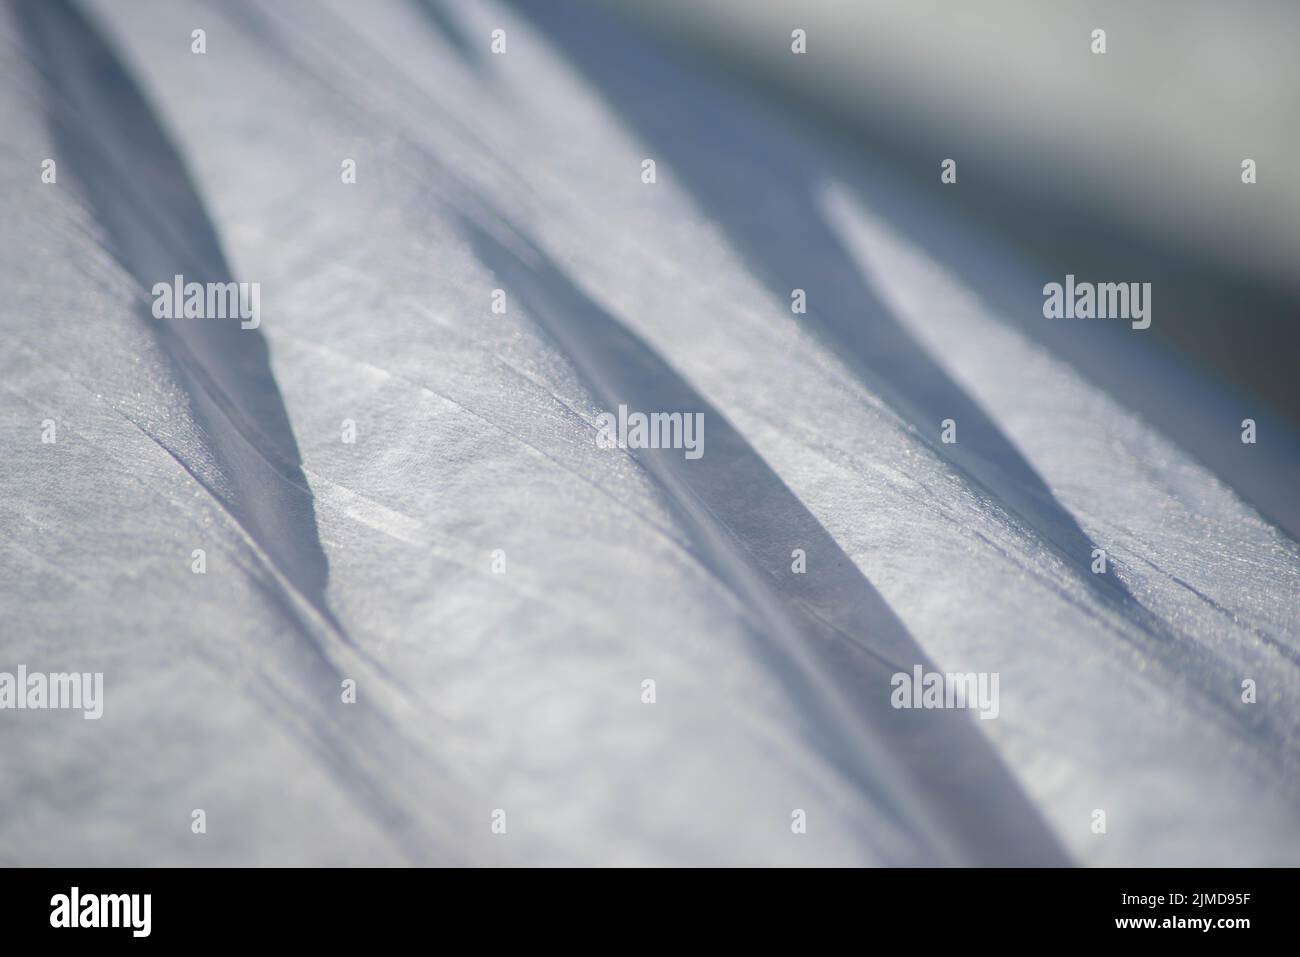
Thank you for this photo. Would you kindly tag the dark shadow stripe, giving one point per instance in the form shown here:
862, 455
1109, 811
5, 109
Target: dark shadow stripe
827, 629
761, 187
113, 147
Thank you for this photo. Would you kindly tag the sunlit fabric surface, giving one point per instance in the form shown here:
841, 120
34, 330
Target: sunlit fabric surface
519, 688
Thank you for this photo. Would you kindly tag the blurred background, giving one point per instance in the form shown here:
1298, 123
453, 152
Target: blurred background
1117, 167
